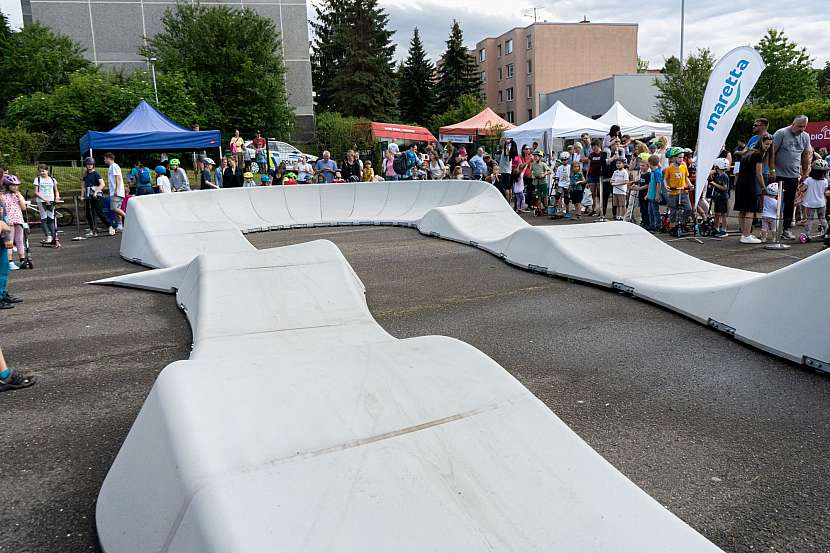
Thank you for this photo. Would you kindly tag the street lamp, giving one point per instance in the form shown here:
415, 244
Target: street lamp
682, 27
153, 71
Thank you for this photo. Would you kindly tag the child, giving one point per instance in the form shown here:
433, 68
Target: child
770, 212
368, 172
248, 181
13, 208
619, 180
47, 193
162, 182
518, 194
265, 180
639, 190
563, 177
576, 189
457, 173
540, 170
655, 193
816, 190
720, 195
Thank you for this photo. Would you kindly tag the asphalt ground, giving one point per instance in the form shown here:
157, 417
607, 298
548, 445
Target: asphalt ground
733, 441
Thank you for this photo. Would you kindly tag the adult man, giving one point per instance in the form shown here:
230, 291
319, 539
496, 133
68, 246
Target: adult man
760, 127
115, 181
326, 167
585, 140
93, 192
478, 165
232, 177
792, 154
206, 177
178, 177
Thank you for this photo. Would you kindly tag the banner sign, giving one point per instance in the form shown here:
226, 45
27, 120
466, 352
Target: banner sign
819, 134
455, 138
733, 78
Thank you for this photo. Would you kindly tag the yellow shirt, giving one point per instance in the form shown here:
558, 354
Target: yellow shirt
675, 177
368, 174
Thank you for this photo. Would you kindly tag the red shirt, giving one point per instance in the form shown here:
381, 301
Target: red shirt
258, 143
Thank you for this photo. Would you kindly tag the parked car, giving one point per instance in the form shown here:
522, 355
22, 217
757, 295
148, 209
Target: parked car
280, 151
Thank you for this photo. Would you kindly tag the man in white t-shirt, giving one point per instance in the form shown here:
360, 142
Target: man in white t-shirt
115, 181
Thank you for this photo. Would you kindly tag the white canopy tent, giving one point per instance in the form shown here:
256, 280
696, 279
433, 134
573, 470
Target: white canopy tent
558, 121
632, 125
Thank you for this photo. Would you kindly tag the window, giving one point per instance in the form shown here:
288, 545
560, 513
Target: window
529, 67
482, 55
529, 114
510, 94
483, 76
510, 117
499, 73
529, 91
529, 42
501, 96
509, 70
508, 46
498, 51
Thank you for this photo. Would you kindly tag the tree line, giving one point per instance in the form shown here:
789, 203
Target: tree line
789, 86
208, 73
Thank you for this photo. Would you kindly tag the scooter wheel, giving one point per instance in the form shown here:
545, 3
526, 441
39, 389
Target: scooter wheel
803, 238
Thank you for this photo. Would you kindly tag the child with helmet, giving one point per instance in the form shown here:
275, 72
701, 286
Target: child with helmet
162, 182
178, 177
720, 195
815, 190
769, 214
14, 206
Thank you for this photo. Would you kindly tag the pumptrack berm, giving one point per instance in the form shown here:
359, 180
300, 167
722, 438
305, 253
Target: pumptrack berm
331, 435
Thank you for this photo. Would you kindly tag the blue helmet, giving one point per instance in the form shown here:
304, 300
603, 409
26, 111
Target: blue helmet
160, 170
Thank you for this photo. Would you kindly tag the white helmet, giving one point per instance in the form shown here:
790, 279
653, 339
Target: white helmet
820, 165
564, 155
772, 189
722, 163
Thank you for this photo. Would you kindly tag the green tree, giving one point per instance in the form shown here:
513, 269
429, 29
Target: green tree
360, 86
232, 63
824, 80
789, 77
416, 84
457, 71
671, 64
338, 134
680, 95
326, 53
642, 65
38, 60
5, 34
465, 107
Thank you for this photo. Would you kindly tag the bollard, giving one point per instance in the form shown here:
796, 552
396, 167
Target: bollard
779, 223
78, 223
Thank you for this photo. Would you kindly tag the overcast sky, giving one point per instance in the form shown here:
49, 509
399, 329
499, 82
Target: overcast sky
707, 24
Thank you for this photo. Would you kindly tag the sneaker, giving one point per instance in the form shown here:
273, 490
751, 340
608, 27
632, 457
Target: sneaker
112, 231
120, 227
787, 235
16, 381
90, 234
27, 264
13, 266
6, 305
8, 298
751, 239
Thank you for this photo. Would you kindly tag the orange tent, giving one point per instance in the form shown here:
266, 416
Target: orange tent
477, 125
394, 131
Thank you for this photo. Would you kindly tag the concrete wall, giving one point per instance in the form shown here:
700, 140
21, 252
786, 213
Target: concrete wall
637, 92
119, 27
608, 48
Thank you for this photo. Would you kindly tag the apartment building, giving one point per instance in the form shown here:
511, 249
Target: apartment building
523, 63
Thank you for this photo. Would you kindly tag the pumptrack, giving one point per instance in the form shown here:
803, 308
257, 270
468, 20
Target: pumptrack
332, 435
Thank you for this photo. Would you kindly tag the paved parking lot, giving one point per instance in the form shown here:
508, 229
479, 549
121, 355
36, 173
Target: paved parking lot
733, 441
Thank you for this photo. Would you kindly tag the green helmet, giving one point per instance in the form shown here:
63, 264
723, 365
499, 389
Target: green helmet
674, 151
175, 161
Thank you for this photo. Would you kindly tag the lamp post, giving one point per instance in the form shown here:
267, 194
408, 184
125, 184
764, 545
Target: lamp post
153, 71
682, 27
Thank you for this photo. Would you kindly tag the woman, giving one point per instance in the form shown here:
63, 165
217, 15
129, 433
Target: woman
662, 148
505, 160
612, 134
350, 172
527, 179
449, 151
237, 146
388, 166
437, 170
750, 186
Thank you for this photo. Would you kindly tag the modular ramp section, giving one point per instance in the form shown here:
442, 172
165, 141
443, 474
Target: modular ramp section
169, 230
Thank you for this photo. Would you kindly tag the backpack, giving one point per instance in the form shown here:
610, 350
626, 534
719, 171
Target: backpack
144, 176
399, 164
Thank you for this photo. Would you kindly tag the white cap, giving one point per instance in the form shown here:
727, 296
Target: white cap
722, 163
565, 155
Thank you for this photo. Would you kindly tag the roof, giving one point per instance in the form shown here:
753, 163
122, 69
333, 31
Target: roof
557, 23
147, 129
632, 125
558, 121
479, 124
401, 132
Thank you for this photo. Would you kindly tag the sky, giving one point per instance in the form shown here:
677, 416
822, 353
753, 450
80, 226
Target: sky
707, 24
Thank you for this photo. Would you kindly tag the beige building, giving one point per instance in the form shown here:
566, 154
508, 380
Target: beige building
520, 65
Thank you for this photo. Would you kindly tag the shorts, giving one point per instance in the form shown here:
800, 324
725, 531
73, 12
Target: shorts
46, 212
576, 195
721, 204
593, 180
565, 193
541, 188
618, 200
768, 224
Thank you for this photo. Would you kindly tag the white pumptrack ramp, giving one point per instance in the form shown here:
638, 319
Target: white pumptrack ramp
298, 424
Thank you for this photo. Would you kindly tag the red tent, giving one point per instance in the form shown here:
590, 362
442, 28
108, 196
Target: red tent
477, 125
393, 131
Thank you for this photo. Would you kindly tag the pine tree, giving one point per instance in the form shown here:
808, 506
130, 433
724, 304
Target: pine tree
457, 74
352, 59
416, 84
789, 77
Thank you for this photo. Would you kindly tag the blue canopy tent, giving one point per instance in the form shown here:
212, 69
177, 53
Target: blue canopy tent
147, 129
